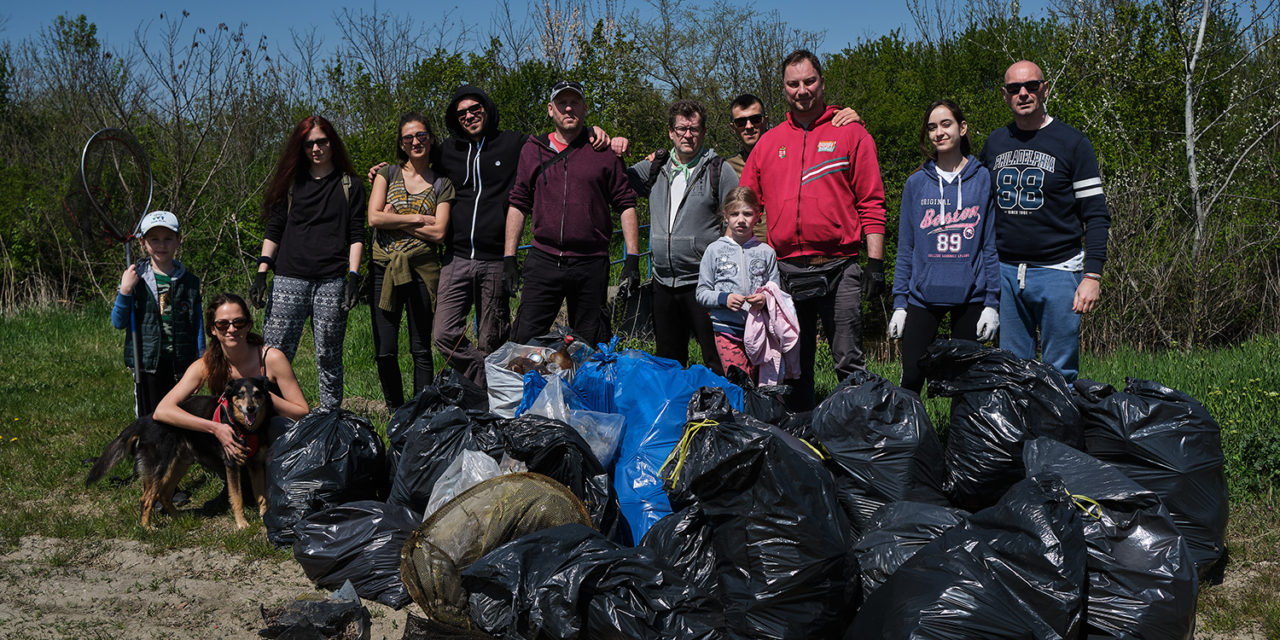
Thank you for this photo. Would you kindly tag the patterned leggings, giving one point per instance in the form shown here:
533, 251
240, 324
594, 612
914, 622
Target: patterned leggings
292, 301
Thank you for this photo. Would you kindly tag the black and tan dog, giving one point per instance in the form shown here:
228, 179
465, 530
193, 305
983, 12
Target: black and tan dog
163, 453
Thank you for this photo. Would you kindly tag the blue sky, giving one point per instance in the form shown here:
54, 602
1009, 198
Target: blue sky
843, 22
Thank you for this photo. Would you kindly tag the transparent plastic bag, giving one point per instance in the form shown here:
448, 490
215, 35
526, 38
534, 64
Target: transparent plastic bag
603, 431
467, 470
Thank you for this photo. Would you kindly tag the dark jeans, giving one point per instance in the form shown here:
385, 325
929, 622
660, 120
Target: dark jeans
677, 316
153, 386
922, 327
841, 313
463, 283
413, 299
582, 283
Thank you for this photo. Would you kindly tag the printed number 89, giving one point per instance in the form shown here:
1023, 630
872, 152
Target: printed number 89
948, 242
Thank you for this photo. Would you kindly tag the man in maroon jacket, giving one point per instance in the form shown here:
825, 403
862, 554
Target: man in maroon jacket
570, 192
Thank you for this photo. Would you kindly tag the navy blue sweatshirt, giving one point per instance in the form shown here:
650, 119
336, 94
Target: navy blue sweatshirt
946, 240
1049, 194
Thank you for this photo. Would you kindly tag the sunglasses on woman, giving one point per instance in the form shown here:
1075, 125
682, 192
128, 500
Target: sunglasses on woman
422, 137
239, 323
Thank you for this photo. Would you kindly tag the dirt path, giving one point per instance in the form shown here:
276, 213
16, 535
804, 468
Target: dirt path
51, 588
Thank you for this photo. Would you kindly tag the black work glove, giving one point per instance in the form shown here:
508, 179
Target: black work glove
258, 290
629, 282
351, 292
510, 276
873, 278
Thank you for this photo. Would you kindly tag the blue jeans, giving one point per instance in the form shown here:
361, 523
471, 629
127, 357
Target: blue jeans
1044, 303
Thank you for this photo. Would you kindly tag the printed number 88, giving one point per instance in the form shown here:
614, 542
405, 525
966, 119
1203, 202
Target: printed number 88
1020, 189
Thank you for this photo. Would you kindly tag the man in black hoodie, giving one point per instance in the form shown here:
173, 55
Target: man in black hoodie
480, 160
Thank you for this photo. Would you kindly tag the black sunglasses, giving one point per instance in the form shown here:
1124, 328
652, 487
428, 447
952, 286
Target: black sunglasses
318, 142
238, 323
421, 136
473, 110
755, 120
1014, 88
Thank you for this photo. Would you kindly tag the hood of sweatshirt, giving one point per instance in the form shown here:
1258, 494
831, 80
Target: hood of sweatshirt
477, 94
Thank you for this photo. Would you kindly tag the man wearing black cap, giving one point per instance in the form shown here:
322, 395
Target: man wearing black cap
570, 191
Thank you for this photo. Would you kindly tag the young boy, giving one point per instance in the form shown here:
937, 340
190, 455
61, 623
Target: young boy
733, 268
161, 300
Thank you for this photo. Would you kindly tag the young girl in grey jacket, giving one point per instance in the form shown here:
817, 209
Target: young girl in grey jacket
733, 268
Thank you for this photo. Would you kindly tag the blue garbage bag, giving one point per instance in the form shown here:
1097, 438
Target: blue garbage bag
653, 394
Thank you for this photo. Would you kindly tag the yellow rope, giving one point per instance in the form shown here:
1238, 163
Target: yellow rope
1086, 504
682, 448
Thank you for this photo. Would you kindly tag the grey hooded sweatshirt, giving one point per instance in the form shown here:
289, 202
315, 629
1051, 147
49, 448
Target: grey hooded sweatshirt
677, 249
728, 267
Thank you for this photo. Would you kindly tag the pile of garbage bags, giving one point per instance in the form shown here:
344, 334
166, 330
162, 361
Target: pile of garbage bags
628, 497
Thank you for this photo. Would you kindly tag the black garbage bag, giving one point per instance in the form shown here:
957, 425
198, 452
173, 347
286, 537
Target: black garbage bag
419, 628
570, 582
766, 403
471, 525
448, 389
683, 541
558, 451
1166, 441
713, 432
896, 532
998, 401
883, 446
431, 445
358, 542
1142, 579
781, 540
329, 457
1014, 570
341, 615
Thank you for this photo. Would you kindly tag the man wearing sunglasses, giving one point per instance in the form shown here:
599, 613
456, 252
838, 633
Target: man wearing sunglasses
685, 189
570, 192
1049, 202
821, 191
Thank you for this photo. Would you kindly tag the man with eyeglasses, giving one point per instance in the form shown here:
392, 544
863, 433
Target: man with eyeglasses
570, 192
684, 187
821, 190
1048, 200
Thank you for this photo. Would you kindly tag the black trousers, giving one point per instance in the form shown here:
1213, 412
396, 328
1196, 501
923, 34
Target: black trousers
581, 283
153, 386
411, 299
677, 316
922, 327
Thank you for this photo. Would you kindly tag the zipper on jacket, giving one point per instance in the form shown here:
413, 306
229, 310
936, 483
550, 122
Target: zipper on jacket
671, 222
564, 203
804, 145
475, 208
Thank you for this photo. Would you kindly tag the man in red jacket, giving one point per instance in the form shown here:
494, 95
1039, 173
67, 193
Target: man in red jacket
570, 192
821, 190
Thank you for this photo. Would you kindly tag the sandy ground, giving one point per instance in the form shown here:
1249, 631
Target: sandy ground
51, 588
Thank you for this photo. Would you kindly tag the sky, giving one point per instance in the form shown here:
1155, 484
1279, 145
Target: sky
118, 20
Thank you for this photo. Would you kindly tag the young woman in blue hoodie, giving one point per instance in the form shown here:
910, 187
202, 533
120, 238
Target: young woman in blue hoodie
947, 260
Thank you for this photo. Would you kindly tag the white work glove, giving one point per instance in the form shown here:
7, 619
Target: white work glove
988, 323
897, 323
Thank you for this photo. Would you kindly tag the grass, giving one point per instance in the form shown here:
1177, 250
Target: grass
64, 393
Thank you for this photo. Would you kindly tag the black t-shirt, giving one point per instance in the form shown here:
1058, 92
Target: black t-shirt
316, 234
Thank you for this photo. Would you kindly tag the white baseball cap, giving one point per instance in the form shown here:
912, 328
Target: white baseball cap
159, 219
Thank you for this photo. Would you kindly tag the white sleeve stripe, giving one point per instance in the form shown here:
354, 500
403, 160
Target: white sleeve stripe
1087, 183
1089, 193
